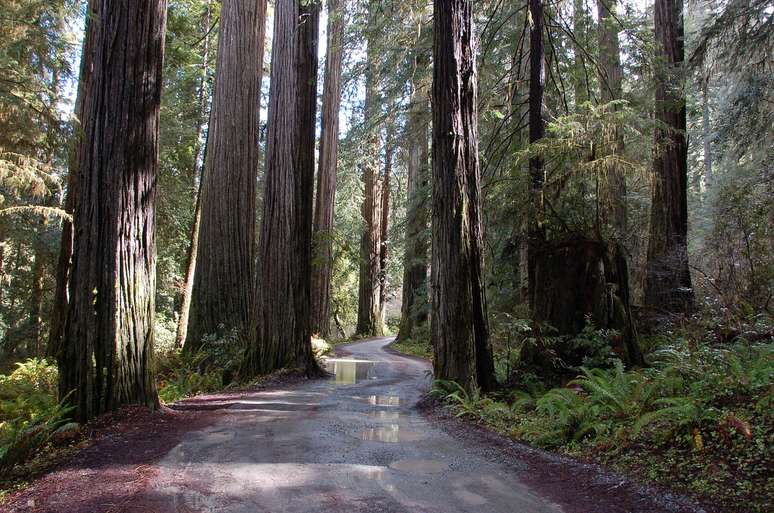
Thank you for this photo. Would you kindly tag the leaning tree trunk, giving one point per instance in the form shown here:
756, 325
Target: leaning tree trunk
537, 130
108, 342
369, 319
198, 178
668, 279
414, 304
614, 217
460, 332
326, 175
285, 333
61, 298
223, 299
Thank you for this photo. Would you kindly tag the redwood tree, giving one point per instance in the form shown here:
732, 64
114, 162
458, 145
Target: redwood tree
610, 82
369, 308
108, 341
284, 339
223, 294
668, 279
198, 174
537, 130
61, 292
460, 333
326, 174
415, 260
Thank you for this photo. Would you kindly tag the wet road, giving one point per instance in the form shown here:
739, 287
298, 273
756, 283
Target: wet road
353, 443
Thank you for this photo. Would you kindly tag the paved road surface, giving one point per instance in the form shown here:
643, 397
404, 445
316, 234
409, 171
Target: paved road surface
354, 443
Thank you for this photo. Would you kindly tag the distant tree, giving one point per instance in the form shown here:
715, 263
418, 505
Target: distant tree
224, 290
668, 278
416, 263
610, 77
369, 308
105, 360
202, 101
326, 175
460, 332
537, 130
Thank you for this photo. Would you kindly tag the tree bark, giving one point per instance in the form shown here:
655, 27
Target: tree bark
223, 300
668, 279
537, 130
614, 216
61, 298
389, 151
414, 306
705, 133
580, 22
285, 329
460, 332
326, 175
369, 320
108, 339
193, 247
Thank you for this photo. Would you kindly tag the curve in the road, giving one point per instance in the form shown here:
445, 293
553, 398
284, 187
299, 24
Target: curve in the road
353, 443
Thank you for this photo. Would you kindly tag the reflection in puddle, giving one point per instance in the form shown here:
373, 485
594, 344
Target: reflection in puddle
419, 466
383, 400
349, 372
389, 434
387, 416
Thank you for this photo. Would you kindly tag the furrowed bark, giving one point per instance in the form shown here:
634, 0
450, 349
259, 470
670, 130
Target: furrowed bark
108, 342
326, 175
285, 333
61, 299
414, 305
223, 300
668, 279
460, 332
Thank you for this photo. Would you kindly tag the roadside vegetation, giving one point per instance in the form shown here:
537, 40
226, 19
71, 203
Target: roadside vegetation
698, 417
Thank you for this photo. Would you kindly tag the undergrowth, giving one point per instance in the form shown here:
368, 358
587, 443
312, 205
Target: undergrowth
30, 415
698, 418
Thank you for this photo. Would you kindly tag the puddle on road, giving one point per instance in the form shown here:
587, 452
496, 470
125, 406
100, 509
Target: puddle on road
387, 416
349, 372
420, 466
389, 434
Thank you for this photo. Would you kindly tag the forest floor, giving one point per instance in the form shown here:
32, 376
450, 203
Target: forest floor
360, 441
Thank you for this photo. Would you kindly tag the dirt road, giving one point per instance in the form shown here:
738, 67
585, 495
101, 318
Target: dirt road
352, 443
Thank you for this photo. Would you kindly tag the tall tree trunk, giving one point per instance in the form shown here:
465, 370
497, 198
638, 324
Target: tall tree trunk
668, 279
198, 179
223, 298
415, 261
389, 150
300, 353
369, 320
460, 332
537, 130
580, 22
705, 133
610, 79
326, 175
61, 300
37, 290
108, 338
285, 330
